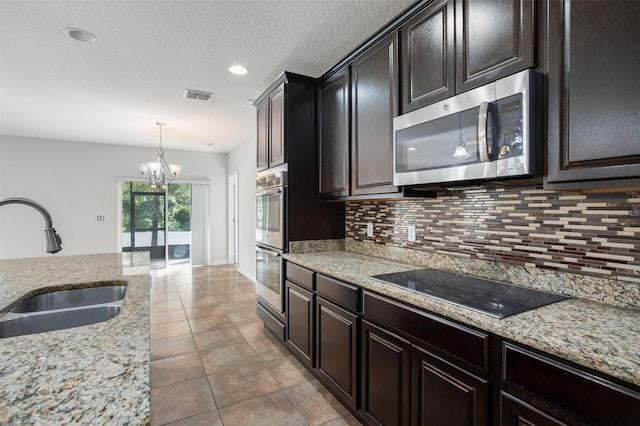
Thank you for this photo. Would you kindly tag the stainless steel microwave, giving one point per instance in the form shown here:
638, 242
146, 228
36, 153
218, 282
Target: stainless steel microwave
486, 133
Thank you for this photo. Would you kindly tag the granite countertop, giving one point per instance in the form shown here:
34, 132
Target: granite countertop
95, 374
595, 335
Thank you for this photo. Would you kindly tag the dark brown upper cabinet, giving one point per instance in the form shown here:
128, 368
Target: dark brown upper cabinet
276, 145
493, 39
593, 92
263, 135
333, 137
271, 141
287, 139
356, 110
374, 103
428, 73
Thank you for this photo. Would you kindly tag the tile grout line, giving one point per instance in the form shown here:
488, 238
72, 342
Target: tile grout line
246, 340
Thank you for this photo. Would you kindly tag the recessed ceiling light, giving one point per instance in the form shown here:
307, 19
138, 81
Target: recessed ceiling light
238, 70
80, 35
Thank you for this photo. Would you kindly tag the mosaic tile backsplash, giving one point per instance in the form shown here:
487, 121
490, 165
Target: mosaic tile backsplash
591, 234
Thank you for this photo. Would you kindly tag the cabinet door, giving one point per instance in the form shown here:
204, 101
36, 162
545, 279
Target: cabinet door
277, 140
427, 65
337, 350
300, 322
493, 39
385, 370
566, 392
444, 394
374, 98
514, 412
263, 135
593, 86
334, 135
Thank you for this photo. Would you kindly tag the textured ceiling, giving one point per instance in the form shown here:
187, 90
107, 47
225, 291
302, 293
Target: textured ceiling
148, 52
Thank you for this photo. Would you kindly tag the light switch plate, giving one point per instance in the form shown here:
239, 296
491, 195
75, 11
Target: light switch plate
369, 229
411, 233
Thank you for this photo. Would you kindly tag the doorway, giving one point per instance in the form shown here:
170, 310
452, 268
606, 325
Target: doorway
157, 220
232, 206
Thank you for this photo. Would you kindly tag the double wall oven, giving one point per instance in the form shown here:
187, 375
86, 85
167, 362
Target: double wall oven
271, 205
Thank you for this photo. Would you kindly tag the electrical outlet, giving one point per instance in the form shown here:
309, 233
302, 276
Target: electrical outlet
369, 229
100, 218
411, 233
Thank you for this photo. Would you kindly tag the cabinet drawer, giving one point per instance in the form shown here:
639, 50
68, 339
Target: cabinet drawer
345, 295
301, 276
592, 398
455, 340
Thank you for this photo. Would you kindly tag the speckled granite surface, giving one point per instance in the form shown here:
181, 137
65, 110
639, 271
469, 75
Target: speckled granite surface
315, 245
95, 374
602, 337
608, 291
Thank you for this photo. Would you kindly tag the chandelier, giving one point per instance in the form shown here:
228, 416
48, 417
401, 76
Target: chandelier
159, 172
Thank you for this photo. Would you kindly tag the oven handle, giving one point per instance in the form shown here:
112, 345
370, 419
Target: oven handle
483, 146
267, 251
268, 192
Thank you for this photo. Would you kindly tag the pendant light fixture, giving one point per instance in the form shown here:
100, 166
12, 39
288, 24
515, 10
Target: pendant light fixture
159, 172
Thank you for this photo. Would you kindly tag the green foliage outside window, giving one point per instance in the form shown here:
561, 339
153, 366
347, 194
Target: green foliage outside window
179, 215
149, 209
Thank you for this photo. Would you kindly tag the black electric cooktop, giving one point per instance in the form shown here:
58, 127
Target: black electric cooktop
489, 297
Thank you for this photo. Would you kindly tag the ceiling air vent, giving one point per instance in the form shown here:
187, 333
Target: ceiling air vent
197, 94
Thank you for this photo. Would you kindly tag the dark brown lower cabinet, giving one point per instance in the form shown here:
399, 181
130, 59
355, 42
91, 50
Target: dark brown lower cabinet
386, 365
538, 390
300, 306
394, 364
337, 350
443, 394
516, 412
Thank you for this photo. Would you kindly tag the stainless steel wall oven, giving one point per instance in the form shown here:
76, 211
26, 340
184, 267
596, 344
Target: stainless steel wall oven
271, 202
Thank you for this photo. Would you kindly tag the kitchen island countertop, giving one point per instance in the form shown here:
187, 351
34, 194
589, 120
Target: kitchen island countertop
598, 336
95, 374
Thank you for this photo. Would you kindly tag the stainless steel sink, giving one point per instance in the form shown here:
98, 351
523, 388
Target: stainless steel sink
72, 298
59, 310
20, 324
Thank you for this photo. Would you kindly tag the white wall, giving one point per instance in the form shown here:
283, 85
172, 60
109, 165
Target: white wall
243, 160
76, 182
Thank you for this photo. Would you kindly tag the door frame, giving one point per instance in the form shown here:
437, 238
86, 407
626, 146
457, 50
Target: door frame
118, 189
232, 214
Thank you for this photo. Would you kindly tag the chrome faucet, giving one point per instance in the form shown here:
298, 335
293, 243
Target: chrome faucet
52, 239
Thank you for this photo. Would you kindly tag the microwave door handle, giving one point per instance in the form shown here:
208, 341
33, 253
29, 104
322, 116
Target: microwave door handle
483, 140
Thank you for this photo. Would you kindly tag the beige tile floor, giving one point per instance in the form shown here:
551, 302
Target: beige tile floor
214, 363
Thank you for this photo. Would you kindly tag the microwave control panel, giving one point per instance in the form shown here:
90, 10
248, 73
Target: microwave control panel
510, 139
